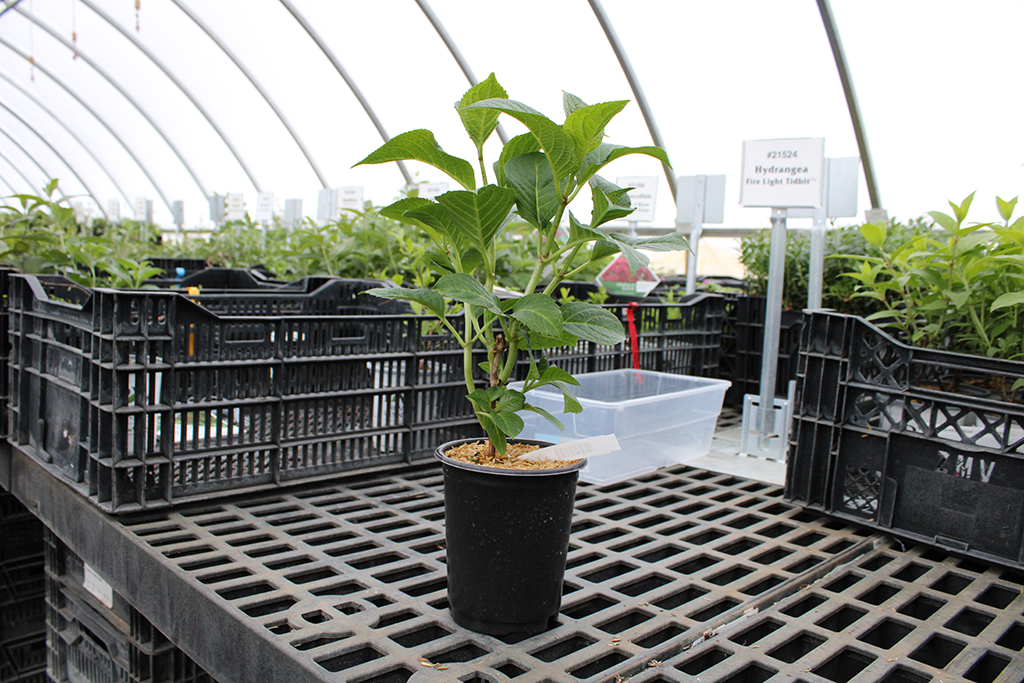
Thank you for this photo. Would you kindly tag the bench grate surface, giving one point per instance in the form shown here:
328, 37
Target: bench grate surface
348, 579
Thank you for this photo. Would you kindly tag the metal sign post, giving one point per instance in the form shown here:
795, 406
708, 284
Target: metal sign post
218, 205
264, 212
778, 174
178, 216
292, 213
840, 191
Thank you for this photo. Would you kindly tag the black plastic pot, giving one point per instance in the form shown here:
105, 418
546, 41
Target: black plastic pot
507, 535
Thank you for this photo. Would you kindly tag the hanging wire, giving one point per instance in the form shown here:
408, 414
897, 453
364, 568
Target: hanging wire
138, 3
74, 32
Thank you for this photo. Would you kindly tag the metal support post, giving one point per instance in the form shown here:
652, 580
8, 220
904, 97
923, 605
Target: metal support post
772, 323
816, 267
691, 259
816, 275
696, 226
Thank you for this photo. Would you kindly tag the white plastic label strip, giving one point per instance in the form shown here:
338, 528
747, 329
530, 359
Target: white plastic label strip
572, 450
99, 588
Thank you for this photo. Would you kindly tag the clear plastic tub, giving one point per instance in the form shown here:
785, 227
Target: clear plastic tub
659, 419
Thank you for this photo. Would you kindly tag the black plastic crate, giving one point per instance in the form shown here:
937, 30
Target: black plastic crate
170, 266
305, 296
909, 440
21, 533
71, 583
743, 346
22, 593
5, 347
682, 338
217, 278
23, 619
23, 660
83, 646
21, 579
21, 566
142, 398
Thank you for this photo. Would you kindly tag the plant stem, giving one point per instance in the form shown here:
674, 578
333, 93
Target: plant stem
560, 274
483, 166
467, 350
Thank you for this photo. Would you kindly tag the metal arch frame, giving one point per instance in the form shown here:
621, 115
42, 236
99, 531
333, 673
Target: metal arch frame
828, 19
70, 132
42, 69
124, 93
184, 91
9, 7
256, 84
348, 80
24, 151
64, 161
634, 85
16, 170
454, 50
9, 186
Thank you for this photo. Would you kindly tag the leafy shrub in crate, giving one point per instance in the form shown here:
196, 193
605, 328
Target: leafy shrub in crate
926, 444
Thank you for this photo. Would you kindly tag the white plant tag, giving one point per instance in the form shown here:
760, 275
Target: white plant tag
573, 450
100, 589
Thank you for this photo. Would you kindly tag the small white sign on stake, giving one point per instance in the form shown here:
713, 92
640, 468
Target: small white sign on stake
264, 206
784, 173
643, 196
114, 210
235, 207
348, 198
431, 190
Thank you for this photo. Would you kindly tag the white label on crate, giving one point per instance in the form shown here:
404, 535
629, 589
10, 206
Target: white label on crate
99, 588
573, 450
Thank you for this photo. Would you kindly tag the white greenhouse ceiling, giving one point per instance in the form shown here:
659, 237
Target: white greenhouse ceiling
180, 99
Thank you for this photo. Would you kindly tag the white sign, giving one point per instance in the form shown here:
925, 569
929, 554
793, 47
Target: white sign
700, 199
99, 588
140, 209
178, 211
326, 206
348, 198
643, 196
113, 210
783, 173
431, 190
292, 212
264, 206
235, 206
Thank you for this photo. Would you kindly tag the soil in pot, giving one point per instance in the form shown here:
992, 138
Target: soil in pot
475, 453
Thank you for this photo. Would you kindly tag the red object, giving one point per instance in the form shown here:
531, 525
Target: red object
632, 334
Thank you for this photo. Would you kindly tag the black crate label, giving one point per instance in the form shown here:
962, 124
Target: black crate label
957, 497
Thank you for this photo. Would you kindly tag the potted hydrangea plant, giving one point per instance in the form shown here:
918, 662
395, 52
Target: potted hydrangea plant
507, 518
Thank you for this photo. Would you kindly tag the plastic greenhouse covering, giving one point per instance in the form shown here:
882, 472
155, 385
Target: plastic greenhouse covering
179, 99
